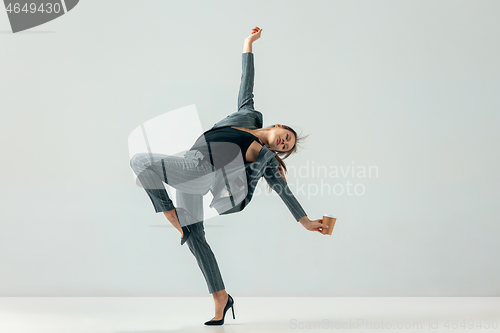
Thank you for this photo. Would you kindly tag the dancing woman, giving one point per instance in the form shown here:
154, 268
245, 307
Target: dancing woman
193, 175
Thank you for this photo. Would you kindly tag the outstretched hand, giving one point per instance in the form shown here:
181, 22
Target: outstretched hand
316, 225
255, 35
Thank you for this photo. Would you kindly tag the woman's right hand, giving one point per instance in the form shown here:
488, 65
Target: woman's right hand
255, 35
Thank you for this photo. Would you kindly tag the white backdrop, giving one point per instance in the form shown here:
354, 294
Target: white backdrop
406, 88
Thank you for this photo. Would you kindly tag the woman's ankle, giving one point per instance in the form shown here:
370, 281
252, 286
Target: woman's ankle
220, 294
171, 215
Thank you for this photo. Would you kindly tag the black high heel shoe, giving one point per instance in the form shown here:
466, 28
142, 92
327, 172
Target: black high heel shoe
185, 234
186, 231
229, 304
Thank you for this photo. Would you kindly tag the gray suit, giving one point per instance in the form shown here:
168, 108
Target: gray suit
193, 176
266, 164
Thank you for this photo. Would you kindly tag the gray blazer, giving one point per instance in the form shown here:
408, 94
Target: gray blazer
266, 164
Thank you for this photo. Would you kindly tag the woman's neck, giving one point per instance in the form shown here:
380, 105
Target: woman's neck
262, 134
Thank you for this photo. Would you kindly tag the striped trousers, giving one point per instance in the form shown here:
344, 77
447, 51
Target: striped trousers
192, 178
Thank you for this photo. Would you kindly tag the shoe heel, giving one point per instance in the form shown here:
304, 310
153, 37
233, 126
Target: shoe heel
229, 304
186, 233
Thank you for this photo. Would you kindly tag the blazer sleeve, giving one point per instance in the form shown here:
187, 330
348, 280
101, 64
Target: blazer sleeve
278, 184
245, 96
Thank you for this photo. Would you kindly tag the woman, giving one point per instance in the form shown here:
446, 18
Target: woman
206, 164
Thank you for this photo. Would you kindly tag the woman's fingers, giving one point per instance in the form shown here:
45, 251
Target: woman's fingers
320, 226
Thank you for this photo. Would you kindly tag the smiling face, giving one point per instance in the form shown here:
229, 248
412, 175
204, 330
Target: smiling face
280, 139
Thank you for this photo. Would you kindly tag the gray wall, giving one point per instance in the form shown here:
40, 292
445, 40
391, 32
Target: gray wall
409, 88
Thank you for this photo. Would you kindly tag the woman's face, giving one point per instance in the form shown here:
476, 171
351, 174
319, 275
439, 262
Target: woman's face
280, 139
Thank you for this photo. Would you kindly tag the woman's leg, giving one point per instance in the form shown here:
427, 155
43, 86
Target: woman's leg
184, 174
205, 258
190, 209
189, 178
206, 261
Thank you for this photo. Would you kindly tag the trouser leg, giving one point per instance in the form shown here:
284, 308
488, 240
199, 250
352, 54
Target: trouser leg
183, 174
192, 212
199, 247
192, 180
189, 208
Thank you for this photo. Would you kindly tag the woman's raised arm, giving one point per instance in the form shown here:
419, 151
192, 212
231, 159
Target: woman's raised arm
247, 46
245, 96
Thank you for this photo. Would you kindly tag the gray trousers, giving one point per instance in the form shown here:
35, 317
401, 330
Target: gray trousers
192, 178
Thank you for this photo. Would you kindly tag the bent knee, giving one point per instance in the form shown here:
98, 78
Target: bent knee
139, 161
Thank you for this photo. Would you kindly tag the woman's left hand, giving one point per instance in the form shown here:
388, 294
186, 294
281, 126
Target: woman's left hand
316, 225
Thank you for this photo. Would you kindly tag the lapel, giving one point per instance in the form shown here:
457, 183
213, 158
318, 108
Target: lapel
265, 155
227, 197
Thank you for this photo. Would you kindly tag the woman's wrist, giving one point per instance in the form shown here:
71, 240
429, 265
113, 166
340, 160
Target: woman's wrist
247, 46
304, 219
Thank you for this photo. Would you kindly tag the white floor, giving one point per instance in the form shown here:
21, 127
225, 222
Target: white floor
253, 314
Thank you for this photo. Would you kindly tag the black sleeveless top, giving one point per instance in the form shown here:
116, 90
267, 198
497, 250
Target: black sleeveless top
221, 145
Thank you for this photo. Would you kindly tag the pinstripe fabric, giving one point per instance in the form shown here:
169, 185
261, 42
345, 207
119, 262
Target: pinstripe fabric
186, 174
192, 178
205, 258
266, 164
280, 186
